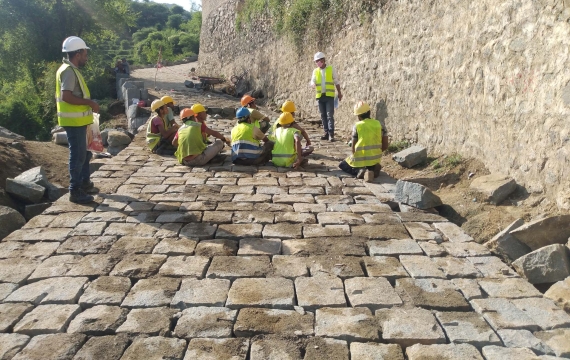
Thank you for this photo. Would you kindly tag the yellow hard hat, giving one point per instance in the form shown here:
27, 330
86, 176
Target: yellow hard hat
156, 104
361, 108
286, 118
288, 106
167, 99
198, 108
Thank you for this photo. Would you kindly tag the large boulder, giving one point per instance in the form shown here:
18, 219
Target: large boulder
118, 138
505, 245
545, 265
24, 190
38, 176
411, 156
542, 232
560, 294
115, 150
415, 195
10, 220
5, 133
494, 187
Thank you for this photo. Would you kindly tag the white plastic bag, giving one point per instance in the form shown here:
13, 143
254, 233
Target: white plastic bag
94, 139
336, 101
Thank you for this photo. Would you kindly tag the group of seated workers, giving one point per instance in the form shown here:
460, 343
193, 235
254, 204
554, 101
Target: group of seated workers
254, 141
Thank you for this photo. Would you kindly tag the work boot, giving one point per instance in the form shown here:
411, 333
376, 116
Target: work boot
325, 136
331, 137
79, 196
377, 169
87, 185
361, 173
369, 176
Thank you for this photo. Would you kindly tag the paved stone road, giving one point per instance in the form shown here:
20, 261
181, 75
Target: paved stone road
230, 262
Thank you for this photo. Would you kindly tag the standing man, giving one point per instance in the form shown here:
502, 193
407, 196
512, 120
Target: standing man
74, 112
126, 68
325, 81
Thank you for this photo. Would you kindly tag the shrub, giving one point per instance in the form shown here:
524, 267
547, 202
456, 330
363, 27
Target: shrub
22, 119
397, 146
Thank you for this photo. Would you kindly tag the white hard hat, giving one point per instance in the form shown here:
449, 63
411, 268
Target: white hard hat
73, 43
319, 55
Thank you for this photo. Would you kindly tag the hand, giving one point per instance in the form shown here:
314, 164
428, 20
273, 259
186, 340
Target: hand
94, 106
228, 141
308, 142
297, 163
339, 96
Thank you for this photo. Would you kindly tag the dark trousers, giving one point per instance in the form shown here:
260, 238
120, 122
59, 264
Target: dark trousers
79, 157
352, 170
262, 159
326, 108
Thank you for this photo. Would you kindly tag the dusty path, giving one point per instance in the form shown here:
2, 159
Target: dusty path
231, 262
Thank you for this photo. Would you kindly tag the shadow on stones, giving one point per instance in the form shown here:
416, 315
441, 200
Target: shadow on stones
449, 212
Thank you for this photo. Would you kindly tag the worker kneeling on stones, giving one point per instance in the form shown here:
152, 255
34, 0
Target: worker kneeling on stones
160, 132
287, 150
246, 149
260, 120
192, 151
369, 139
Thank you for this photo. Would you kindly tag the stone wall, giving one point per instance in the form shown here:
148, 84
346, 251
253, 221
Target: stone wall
488, 79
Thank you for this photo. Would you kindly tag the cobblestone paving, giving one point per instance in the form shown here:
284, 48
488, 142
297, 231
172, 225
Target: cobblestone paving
231, 262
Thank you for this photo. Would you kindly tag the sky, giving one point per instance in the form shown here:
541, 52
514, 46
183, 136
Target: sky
184, 3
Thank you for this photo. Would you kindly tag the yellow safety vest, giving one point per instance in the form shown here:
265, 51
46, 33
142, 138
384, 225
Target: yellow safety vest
329, 82
284, 153
152, 139
190, 141
68, 114
368, 148
244, 144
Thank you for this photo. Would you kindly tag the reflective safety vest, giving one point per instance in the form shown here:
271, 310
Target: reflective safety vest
68, 114
368, 148
152, 139
244, 146
329, 82
190, 141
284, 153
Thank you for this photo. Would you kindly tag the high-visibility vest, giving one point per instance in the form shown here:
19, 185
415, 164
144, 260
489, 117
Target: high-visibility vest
68, 114
284, 153
329, 82
244, 145
368, 148
190, 141
152, 139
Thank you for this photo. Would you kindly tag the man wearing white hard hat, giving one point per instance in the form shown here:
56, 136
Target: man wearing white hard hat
74, 112
326, 82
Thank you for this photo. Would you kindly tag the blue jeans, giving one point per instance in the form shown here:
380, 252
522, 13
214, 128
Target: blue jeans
79, 157
326, 108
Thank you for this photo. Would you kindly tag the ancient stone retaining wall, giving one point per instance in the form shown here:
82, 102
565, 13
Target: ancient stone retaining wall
488, 79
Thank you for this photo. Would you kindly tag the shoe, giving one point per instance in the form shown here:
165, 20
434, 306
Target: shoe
331, 138
87, 185
80, 197
377, 169
369, 176
361, 173
325, 136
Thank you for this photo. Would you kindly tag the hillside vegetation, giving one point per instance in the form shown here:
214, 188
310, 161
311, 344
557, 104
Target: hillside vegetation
30, 51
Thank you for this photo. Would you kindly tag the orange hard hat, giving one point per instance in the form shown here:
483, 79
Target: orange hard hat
186, 113
246, 99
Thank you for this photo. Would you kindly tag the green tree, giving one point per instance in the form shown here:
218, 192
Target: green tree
174, 21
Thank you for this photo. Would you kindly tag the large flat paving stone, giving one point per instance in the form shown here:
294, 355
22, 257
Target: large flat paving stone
320, 291
524, 339
11, 313
138, 266
198, 231
465, 249
127, 245
218, 247
252, 322
105, 290
175, 246
152, 293
544, 312
319, 348
54, 266
456, 267
185, 266
103, 348
148, 322
500, 313
214, 349
58, 290
350, 324
84, 245
558, 340
206, 322
276, 293
98, 320
372, 351
325, 246
205, 292
423, 232
380, 231
233, 267
259, 247
155, 348
447, 351
408, 326
319, 231
373, 293
435, 294
274, 349
467, 328
452, 232
47, 319
341, 266
52, 347
16, 270
283, 231
289, 267
11, 344
494, 352
509, 288
492, 267
385, 266
420, 267
238, 231
394, 247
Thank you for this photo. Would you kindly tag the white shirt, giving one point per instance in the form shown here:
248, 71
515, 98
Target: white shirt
323, 79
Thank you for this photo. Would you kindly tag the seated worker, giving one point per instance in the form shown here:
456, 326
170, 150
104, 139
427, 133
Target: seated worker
245, 141
169, 102
191, 149
287, 150
159, 132
289, 106
368, 141
258, 119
